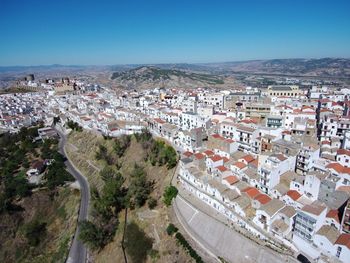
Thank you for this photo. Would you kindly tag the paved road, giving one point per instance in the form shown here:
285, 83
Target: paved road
78, 252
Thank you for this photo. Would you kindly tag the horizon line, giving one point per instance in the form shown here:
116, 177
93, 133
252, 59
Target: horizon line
164, 63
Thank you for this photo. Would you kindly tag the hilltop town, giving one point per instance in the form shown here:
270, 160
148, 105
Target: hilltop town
272, 162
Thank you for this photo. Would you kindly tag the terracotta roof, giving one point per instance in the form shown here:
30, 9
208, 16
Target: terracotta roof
252, 192
208, 153
199, 156
217, 136
343, 152
344, 239
293, 194
339, 168
159, 120
281, 157
222, 168
216, 158
231, 179
262, 198
230, 140
248, 158
187, 154
225, 159
240, 165
333, 214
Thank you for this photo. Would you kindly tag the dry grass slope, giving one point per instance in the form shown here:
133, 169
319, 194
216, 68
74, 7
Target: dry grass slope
82, 151
60, 215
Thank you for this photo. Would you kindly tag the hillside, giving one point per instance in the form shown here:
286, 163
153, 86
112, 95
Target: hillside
325, 67
149, 76
38, 213
59, 214
144, 178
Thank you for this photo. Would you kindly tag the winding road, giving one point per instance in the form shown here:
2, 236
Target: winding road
77, 252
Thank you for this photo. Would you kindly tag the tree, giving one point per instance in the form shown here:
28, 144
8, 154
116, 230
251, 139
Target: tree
103, 154
74, 126
90, 234
139, 188
169, 193
57, 174
137, 243
171, 229
152, 203
122, 144
35, 231
108, 173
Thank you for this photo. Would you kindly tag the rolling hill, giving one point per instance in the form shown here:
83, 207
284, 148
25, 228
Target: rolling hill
150, 76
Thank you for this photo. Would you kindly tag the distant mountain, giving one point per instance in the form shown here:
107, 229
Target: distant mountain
151, 76
324, 67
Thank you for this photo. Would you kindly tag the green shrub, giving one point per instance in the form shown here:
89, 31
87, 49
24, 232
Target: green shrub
183, 242
152, 203
169, 193
171, 229
34, 232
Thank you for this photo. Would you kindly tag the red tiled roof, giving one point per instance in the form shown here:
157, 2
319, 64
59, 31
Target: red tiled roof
240, 165
252, 192
208, 153
222, 168
159, 120
230, 140
339, 168
225, 159
343, 239
343, 152
262, 198
333, 214
216, 158
217, 136
199, 156
248, 121
187, 154
248, 158
293, 194
231, 179
281, 157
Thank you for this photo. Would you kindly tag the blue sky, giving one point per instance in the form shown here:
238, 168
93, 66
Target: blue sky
38, 32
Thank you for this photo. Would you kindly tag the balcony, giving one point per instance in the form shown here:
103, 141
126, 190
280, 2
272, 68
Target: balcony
266, 170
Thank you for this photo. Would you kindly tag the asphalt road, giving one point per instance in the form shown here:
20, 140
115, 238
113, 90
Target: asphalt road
77, 252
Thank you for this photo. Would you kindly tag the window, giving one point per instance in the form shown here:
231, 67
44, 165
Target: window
338, 252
